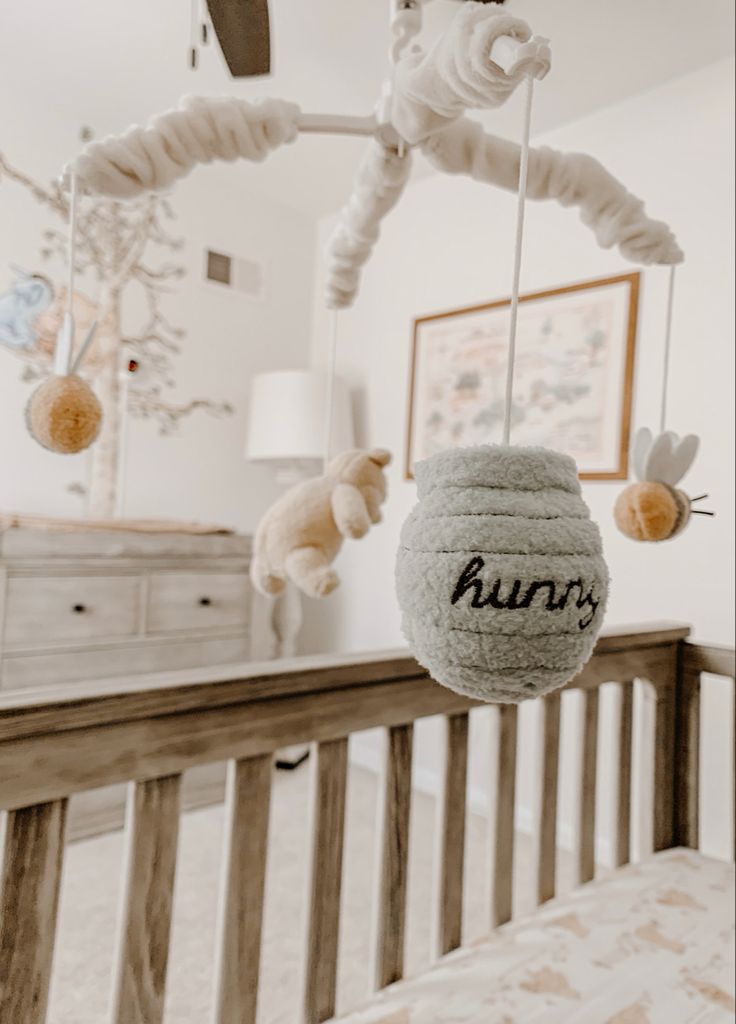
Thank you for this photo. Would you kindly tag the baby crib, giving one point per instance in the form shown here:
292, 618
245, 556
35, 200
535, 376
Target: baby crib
148, 731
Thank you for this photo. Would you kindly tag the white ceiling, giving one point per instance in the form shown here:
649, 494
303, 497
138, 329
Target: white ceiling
110, 64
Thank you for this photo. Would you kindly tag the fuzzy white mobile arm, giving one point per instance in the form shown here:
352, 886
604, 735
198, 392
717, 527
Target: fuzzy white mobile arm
378, 186
477, 64
474, 66
615, 216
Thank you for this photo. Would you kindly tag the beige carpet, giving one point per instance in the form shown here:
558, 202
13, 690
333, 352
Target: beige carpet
83, 966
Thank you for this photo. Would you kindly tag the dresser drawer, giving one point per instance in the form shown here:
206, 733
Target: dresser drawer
185, 601
71, 608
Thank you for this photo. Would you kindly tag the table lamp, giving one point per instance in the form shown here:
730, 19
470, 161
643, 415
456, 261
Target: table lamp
287, 423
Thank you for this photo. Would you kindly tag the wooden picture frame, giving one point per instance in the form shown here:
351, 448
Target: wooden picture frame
582, 392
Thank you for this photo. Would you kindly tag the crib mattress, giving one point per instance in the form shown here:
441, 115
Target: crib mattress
651, 943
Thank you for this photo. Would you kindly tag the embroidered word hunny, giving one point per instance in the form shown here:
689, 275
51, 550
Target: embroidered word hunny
520, 595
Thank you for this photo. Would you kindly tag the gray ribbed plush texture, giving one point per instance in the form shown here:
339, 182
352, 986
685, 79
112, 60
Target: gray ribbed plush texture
500, 573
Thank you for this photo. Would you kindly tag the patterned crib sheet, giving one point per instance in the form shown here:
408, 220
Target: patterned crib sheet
651, 943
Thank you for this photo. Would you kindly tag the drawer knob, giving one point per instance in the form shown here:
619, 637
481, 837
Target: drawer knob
205, 602
80, 609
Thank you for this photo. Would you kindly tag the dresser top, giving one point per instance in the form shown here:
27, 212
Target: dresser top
28, 543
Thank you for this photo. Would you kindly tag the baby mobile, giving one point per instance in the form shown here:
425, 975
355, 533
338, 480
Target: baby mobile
500, 573
63, 414
655, 509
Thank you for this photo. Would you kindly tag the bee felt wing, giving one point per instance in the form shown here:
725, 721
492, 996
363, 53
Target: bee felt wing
683, 456
670, 458
657, 465
640, 450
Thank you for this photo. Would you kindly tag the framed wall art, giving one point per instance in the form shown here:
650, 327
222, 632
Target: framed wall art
573, 381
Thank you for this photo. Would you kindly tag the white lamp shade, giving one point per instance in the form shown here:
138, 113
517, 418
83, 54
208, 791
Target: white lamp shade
288, 419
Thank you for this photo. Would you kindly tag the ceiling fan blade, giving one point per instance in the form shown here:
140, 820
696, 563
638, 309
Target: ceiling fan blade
244, 34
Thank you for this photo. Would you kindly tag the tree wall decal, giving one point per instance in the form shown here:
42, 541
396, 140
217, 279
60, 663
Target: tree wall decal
113, 245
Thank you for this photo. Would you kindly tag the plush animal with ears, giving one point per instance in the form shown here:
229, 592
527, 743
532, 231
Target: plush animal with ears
300, 535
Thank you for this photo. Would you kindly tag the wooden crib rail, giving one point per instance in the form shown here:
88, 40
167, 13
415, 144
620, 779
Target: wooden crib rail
695, 661
147, 732
56, 742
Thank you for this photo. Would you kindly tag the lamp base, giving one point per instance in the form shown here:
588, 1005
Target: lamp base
291, 757
290, 472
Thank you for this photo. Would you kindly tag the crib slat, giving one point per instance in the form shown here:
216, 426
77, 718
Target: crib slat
623, 784
29, 900
546, 831
143, 947
687, 765
664, 757
503, 861
394, 847
241, 908
452, 835
588, 779
326, 880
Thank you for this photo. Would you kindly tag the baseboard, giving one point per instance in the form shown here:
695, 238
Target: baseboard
366, 755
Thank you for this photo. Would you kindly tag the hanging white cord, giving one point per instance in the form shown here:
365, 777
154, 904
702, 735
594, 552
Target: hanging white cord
514, 314
194, 26
72, 235
330, 410
123, 448
667, 346
65, 339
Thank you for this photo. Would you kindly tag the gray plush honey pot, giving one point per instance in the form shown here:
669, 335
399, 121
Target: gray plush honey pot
500, 572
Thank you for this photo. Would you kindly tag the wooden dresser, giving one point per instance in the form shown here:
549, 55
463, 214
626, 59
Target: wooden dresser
90, 605
98, 604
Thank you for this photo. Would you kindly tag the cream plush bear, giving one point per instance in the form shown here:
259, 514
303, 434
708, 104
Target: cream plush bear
301, 534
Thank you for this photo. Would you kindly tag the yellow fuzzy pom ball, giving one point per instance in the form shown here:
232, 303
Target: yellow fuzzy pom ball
64, 415
651, 511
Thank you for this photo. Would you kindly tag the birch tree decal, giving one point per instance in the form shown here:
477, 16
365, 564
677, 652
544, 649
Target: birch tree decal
113, 247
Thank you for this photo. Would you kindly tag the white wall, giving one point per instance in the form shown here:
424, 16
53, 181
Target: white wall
448, 244
200, 472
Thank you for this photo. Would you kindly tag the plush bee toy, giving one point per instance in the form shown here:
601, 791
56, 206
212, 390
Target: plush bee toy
655, 509
63, 414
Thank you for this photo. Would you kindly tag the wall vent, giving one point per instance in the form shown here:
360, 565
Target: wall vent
239, 274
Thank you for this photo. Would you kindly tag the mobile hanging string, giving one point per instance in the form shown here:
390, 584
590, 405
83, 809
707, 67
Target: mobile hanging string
667, 347
514, 313
198, 31
64, 362
330, 410
666, 379
65, 338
